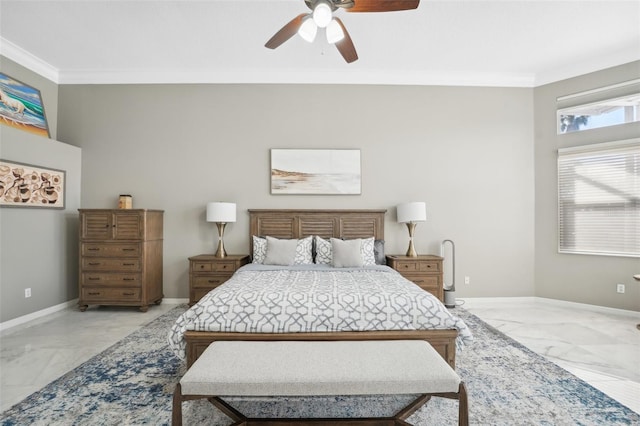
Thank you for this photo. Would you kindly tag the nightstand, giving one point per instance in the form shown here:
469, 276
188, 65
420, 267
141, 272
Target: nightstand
424, 270
207, 272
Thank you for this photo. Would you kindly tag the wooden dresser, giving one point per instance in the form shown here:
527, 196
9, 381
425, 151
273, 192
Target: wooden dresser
207, 272
120, 257
424, 270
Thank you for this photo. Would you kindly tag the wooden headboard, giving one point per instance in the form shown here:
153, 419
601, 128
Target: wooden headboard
283, 223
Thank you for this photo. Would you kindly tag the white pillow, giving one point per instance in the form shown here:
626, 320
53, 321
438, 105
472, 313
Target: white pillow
280, 252
346, 253
303, 256
324, 251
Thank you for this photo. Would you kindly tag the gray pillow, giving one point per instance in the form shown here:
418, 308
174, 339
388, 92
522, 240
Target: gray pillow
280, 252
346, 253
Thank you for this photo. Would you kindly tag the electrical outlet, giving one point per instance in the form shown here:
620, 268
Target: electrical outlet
620, 288
27, 292
467, 280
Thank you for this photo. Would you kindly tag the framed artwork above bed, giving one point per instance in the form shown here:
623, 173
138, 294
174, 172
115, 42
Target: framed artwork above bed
315, 171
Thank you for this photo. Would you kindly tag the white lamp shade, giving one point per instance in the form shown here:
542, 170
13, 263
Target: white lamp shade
221, 212
412, 212
308, 30
334, 32
322, 14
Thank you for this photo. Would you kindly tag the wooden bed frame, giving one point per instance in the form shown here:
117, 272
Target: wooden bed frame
325, 223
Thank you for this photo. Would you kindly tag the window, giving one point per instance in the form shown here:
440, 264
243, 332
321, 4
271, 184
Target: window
602, 107
599, 199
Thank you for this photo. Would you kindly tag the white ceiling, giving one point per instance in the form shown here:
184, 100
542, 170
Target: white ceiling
459, 42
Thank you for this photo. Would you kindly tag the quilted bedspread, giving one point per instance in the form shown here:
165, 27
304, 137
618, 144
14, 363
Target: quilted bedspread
272, 299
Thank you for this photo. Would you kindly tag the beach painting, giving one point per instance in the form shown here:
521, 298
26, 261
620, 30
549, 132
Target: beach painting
21, 107
315, 171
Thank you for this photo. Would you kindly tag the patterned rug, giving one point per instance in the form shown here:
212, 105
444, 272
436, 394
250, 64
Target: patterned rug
132, 382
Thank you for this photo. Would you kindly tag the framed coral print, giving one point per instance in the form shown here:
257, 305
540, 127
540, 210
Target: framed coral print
315, 171
21, 107
26, 185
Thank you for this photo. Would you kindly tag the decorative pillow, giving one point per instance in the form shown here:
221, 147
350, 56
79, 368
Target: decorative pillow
259, 249
378, 252
366, 251
346, 253
372, 251
280, 252
303, 254
304, 251
323, 251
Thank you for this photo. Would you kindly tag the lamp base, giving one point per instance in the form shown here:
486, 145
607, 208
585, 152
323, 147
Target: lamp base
411, 252
221, 252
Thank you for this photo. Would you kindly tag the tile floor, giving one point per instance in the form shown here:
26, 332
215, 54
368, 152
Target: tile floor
598, 345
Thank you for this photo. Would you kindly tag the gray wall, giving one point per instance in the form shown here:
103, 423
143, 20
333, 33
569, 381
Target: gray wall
466, 152
579, 278
38, 247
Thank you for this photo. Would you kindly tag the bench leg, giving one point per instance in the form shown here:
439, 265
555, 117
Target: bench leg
176, 416
463, 409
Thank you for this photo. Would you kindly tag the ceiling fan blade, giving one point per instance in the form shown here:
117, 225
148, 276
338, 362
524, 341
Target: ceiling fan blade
345, 46
286, 32
382, 5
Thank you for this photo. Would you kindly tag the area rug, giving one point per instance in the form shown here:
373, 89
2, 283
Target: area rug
132, 382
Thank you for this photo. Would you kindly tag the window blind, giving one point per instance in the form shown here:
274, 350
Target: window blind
599, 199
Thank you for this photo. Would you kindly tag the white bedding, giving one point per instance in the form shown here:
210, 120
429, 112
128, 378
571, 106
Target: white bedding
315, 298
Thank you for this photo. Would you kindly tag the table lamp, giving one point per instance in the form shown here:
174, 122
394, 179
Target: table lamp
221, 213
410, 213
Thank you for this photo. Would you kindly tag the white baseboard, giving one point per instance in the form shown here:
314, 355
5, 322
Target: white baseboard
35, 315
556, 302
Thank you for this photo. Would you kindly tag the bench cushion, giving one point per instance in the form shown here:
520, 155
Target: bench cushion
295, 368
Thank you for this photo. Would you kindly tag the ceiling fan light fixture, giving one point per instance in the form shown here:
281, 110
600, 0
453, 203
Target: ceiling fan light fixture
322, 14
308, 29
334, 32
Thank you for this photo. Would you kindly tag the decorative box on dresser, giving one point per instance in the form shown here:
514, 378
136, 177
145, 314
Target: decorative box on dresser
120, 257
424, 270
206, 272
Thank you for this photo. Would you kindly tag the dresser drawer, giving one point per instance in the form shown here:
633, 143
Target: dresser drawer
209, 281
417, 266
111, 250
107, 264
128, 280
100, 295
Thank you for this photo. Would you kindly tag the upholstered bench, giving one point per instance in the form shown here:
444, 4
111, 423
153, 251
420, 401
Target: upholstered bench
303, 368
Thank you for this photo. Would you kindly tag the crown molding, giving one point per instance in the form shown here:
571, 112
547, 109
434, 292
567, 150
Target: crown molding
17, 54
295, 76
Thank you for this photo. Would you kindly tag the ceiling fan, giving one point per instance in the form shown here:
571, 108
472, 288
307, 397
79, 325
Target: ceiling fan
321, 16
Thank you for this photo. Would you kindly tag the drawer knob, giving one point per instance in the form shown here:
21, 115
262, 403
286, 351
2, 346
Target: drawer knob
94, 278
127, 264
127, 249
128, 279
128, 294
201, 266
93, 249
94, 263
94, 293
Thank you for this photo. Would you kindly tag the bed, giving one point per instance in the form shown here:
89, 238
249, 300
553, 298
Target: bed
208, 320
